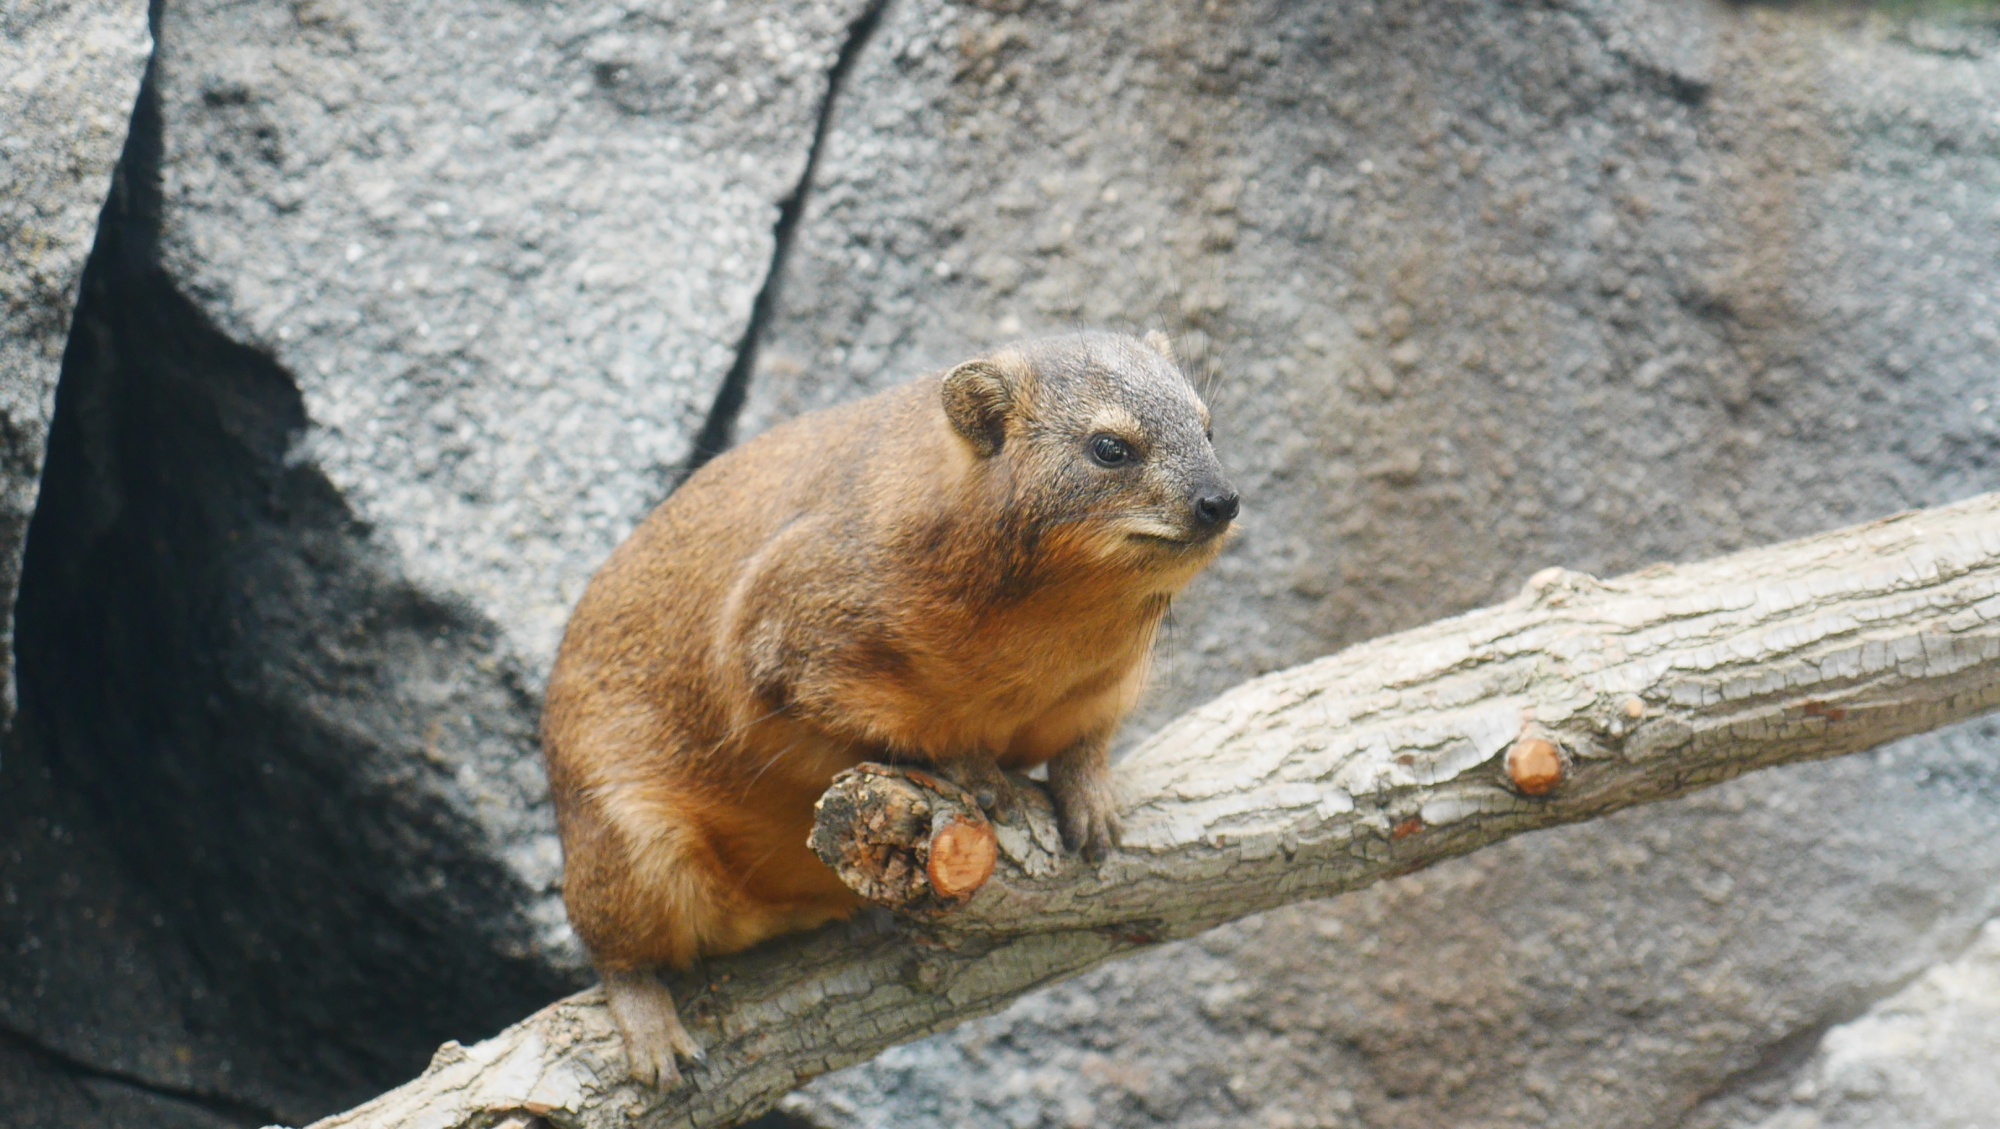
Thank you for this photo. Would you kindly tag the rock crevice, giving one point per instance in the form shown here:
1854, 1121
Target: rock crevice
230, 682
24, 1051
718, 429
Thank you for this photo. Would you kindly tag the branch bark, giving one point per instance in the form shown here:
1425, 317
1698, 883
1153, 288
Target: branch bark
1577, 698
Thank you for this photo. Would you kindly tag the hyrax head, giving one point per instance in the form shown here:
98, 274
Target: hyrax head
1104, 446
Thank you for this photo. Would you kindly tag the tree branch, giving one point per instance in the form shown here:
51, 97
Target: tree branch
1578, 698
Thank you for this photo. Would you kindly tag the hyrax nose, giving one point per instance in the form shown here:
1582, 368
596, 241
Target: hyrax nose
1216, 510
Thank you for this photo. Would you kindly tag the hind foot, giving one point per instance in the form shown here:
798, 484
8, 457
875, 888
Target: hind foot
654, 1038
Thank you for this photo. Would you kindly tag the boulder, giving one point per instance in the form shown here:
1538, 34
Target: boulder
68, 74
401, 316
1924, 1056
47, 1094
1474, 289
72, 68
107, 1015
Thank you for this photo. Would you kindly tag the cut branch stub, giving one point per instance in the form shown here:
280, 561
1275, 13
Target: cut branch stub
903, 838
1535, 765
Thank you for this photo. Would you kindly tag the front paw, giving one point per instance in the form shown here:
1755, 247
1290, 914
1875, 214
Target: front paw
996, 795
1002, 802
1087, 813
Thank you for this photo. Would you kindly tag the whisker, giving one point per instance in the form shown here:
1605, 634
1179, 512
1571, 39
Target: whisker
774, 711
774, 759
734, 731
1100, 515
743, 876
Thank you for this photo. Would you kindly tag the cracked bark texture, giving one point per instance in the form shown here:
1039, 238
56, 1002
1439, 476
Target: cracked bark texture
1327, 778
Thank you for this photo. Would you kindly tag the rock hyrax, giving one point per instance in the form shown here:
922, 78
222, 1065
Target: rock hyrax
966, 571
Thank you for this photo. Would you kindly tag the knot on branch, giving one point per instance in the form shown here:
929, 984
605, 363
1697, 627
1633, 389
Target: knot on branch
1555, 587
903, 838
1535, 764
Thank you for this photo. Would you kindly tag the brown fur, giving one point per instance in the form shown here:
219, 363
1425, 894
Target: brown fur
936, 573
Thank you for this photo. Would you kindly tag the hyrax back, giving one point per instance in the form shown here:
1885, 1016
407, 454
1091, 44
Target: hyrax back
966, 570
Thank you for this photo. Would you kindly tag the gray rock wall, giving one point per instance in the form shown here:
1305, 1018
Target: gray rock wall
71, 70
399, 318
402, 314
1924, 1056
506, 253
1484, 288
43, 1093
68, 76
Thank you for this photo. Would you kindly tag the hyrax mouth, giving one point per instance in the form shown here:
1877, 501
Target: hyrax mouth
1180, 540
1210, 522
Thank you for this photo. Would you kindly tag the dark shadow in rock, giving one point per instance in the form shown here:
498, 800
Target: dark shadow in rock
44, 1093
273, 737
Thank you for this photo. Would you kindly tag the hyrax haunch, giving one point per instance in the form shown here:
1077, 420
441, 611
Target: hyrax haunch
964, 571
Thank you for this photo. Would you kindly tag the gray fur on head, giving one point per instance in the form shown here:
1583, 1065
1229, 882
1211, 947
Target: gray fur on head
1056, 396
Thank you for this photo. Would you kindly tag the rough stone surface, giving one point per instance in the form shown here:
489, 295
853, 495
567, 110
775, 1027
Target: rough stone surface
404, 313
1484, 288
400, 317
1924, 1056
68, 73
43, 1094
507, 253
1481, 288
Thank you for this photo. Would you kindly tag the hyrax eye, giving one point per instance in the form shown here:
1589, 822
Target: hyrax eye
1109, 450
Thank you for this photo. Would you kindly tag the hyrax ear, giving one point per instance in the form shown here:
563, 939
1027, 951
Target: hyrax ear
977, 397
1160, 343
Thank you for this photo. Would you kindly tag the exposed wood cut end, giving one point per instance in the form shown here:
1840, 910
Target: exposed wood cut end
904, 839
1535, 766
962, 855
